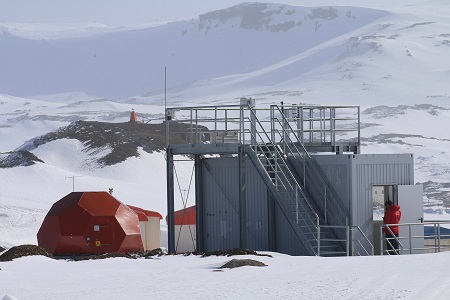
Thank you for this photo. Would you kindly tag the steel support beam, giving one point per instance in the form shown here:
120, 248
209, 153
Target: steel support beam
170, 201
199, 229
242, 199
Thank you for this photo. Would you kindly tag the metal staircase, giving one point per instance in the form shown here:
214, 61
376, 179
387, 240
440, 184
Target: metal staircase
333, 216
276, 152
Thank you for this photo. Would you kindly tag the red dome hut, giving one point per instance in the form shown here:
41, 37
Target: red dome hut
90, 223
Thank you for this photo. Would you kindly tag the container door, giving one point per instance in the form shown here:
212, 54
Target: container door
410, 199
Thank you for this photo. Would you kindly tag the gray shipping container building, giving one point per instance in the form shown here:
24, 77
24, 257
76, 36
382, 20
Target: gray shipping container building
266, 228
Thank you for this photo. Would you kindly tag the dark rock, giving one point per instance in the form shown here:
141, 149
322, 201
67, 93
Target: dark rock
23, 250
19, 158
236, 263
122, 138
154, 252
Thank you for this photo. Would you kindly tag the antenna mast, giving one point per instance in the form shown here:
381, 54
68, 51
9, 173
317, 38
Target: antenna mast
73, 181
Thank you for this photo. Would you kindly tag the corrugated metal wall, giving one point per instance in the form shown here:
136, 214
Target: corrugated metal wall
257, 210
221, 211
221, 206
354, 175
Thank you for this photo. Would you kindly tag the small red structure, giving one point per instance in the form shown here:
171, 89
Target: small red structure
185, 216
185, 229
90, 223
133, 117
147, 213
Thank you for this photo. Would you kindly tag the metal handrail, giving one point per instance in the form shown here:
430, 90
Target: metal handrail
394, 237
372, 248
323, 121
437, 237
349, 240
335, 241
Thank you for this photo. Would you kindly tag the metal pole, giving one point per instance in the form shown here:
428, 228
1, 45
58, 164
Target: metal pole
410, 239
318, 238
197, 129
242, 199
285, 126
435, 238
381, 240
439, 237
325, 205
322, 125
347, 232
296, 203
272, 123
359, 132
253, 126
73, 181
166, 113
170, 202
331, 127
311, 126
165, 88
191, 128
199, 203
241, 124
304, 170
302, 126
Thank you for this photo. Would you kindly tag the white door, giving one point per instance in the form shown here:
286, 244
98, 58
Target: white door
410, 199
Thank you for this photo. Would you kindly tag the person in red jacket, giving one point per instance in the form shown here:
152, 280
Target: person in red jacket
392, 215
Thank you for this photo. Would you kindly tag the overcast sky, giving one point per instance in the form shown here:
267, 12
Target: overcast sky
116, 12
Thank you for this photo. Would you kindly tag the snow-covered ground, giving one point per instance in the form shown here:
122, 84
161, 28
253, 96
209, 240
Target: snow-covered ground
190, 277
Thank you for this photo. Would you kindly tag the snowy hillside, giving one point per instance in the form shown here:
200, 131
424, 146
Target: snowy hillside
255, 49
118, 64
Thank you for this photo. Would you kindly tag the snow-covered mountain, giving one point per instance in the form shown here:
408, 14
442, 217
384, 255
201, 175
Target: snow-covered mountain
117, 63
394, 62
255, 48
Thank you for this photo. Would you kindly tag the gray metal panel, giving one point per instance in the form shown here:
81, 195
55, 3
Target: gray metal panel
257, 210
286, 240
221, 203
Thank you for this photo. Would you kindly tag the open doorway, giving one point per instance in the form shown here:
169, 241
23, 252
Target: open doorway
380, 194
